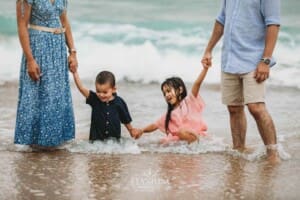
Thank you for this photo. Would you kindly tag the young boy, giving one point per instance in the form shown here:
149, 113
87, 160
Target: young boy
108, 109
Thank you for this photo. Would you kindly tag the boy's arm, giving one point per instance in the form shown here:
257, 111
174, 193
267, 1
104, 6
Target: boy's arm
84, 91
198, 82
134, 132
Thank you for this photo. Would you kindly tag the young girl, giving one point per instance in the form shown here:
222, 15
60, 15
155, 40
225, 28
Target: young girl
183, 120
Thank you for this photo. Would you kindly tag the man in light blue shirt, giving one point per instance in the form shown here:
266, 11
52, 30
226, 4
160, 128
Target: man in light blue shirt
250, 29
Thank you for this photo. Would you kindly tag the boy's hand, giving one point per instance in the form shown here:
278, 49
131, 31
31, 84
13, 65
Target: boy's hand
136, 133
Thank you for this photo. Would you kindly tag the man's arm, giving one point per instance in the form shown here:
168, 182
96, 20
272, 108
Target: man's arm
215, 37
263, 69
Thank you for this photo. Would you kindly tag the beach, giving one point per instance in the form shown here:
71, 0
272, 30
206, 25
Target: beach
144, 169
143, 42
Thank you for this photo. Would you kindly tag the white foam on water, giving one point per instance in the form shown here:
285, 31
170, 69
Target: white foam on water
259, 153
124, 146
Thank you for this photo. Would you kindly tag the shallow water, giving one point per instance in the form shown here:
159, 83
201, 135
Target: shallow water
144, 169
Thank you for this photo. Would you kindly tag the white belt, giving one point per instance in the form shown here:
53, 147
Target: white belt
47, 29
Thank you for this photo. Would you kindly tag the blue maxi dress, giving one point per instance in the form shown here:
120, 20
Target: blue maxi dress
45, 112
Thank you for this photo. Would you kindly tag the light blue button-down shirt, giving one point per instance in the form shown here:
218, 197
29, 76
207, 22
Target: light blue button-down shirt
245, 23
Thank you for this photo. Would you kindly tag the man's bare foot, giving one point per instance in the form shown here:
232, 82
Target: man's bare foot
273, 156
246, 150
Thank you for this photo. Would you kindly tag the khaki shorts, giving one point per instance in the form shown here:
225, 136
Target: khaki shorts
241, 89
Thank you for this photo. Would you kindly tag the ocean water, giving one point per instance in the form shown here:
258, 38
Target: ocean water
143, 42
147, 41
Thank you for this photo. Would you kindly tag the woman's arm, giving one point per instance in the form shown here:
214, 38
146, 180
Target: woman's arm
84, 91
198, 82
70, 42
23, 16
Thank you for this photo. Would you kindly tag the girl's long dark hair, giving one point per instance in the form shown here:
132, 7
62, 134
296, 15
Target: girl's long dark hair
176, 83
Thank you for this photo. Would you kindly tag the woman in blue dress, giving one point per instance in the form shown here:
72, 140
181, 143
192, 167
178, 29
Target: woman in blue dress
45, 113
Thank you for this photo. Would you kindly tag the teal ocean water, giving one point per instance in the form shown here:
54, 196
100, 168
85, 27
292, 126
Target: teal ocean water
142, 40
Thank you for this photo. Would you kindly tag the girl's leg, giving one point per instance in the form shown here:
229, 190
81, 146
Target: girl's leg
187, 136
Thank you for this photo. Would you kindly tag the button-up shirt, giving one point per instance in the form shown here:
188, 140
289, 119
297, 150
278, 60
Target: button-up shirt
245, 23
107, 117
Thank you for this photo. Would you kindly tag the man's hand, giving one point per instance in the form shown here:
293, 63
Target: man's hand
262, 72
206, 60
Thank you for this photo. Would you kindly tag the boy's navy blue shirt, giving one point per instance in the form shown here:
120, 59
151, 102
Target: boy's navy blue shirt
107, 117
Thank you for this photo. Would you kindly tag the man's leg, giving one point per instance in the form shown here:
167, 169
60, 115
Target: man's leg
238, 124
232, 96
265, 126
254, 94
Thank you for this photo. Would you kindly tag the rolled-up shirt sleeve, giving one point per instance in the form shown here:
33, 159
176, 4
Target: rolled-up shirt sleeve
221, 17
271, 11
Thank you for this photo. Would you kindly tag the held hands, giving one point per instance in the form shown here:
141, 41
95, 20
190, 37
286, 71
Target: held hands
72, 60
136, 133
206, 60
33, 70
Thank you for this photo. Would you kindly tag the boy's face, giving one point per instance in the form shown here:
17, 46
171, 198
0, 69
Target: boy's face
170, 95
105, 92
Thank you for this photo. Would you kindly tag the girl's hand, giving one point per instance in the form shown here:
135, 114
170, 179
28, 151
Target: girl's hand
207, 60
72, 60
136, 133
33, 70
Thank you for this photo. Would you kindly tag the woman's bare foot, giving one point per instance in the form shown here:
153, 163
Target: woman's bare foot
36, 147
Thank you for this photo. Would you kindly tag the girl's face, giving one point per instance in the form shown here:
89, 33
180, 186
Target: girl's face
105, 92
170, 95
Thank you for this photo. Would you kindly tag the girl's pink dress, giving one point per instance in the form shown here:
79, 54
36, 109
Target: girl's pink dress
187, 116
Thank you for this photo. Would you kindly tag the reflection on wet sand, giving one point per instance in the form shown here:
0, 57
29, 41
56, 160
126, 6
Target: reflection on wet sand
235, 179
43, 175
61, 175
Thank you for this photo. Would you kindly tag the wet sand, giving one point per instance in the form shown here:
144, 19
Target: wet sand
153, 173
62, 175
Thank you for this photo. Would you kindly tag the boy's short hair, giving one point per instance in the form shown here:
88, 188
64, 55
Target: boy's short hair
106, 77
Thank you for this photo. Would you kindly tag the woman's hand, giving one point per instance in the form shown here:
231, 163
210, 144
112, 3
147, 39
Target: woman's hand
73, 64
33, 70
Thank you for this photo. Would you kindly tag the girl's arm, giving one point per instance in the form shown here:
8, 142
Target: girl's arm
23, 10
84, 91
150, 128
70, 42
198, 82
139, 132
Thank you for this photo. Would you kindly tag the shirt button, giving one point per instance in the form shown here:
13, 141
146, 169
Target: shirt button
107, 104
107, 113
107, 122
106, 132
